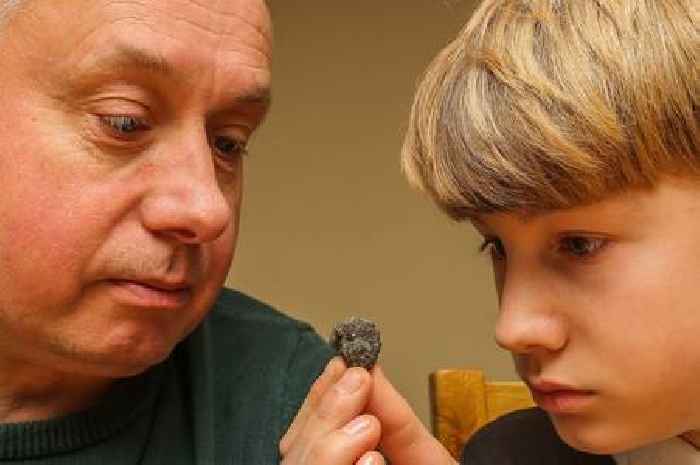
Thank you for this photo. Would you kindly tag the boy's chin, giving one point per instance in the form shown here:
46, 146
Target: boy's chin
592, 436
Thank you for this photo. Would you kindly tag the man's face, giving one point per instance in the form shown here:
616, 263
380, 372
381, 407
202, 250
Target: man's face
600, 306
121, 138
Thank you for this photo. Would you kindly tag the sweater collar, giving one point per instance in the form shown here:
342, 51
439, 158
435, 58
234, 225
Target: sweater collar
126, 401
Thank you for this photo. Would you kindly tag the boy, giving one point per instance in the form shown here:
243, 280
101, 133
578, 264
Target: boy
567, 132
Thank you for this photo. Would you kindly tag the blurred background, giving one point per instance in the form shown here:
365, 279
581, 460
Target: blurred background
330, 228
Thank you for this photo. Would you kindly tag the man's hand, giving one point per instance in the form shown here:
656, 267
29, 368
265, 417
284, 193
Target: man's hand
330, 428
348, 414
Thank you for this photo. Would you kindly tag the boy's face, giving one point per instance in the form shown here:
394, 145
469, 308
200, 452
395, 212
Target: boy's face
600, 306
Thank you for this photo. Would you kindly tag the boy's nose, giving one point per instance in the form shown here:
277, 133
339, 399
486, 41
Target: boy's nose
528, 320
186, 202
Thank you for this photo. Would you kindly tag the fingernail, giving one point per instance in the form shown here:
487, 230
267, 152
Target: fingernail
351, 381
356, 426
367, 460
332, 366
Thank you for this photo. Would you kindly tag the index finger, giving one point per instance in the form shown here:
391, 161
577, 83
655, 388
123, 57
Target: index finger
405, 441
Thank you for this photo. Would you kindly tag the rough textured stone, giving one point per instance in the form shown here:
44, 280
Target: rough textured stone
358, 341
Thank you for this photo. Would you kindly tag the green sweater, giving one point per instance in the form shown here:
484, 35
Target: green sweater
224, 396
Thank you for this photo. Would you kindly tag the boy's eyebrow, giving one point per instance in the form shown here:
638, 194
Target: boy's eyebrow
522, 216
125, 57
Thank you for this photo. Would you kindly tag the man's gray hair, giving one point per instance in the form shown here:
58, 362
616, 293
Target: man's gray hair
7, 6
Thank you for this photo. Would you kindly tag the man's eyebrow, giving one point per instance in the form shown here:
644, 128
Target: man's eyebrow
259, 95
128, 57
124, 56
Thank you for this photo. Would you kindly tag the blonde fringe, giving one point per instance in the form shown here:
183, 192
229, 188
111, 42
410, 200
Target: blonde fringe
546, 104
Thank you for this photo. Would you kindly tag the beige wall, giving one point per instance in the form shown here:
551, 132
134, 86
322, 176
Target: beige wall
330, 228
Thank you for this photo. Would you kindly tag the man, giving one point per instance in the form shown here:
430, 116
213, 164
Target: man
123, 130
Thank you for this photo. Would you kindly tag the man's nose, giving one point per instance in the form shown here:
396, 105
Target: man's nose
529, 319
185, 201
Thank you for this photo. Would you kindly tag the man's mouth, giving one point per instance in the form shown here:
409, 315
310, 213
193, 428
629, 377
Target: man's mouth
151, 293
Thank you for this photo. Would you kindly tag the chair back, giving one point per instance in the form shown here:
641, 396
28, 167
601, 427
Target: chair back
462, 401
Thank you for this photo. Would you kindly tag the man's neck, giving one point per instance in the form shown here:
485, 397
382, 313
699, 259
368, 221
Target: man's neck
30, 393
692, 438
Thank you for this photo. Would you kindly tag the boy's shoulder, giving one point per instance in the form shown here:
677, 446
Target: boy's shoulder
524, 437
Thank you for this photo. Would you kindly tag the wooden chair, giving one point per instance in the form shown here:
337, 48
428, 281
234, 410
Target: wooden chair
462, 402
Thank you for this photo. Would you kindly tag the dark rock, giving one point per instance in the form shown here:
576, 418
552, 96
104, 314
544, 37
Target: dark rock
358, 341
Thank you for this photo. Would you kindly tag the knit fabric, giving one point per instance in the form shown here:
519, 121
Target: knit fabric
224, 396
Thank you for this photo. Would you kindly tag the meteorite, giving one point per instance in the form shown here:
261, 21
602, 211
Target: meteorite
358, 341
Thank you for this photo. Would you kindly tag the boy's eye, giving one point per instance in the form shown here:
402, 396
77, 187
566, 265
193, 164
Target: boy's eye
123, 125
580, 246
495, 247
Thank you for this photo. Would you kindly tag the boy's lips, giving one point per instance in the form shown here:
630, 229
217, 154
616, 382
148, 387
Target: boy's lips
559, 398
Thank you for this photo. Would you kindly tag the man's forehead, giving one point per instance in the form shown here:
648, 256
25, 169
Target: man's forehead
219, 45
235, 30
217, 18
256, 11
249, 18
220, 21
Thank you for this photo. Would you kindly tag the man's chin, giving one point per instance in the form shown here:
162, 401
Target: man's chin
122, 363
136, 366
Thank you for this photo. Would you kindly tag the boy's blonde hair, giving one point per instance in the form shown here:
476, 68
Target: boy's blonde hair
546, 104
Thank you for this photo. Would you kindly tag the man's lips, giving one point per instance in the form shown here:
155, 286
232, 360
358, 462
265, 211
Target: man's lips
560, 398
151, 293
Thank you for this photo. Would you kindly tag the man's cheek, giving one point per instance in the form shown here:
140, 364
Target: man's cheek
223, 251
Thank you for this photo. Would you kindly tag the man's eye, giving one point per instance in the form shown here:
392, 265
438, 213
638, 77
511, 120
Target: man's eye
579, 246
123, 125
495, 247
229, 147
